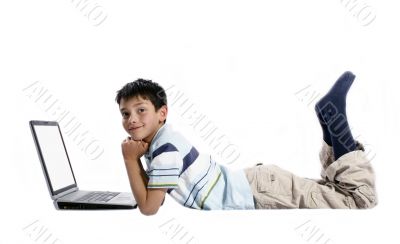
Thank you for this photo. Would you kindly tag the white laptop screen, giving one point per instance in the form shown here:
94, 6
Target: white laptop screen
54, 156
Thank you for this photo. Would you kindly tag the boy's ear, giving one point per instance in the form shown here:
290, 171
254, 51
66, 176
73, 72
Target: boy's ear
163, 113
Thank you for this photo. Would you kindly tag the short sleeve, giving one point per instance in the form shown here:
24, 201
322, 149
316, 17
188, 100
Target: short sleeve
164, 168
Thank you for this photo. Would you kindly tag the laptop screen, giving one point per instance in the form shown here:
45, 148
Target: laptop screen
54, 156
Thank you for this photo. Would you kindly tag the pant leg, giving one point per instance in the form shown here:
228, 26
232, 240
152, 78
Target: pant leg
326, 158
349, 183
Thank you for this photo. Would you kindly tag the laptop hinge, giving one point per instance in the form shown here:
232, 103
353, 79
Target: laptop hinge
69, 191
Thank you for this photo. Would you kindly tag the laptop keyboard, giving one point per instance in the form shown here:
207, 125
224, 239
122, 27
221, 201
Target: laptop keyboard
98, 196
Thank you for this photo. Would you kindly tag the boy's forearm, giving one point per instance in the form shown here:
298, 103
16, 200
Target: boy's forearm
138, 181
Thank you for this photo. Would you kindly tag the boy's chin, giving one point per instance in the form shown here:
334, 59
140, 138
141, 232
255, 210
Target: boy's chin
135, 138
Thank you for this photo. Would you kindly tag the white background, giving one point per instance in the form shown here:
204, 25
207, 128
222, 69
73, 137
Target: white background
242, 64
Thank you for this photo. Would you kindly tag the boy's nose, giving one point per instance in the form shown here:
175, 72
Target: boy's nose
132, 119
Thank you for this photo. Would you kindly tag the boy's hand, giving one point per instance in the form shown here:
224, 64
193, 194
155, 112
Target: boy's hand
133, 150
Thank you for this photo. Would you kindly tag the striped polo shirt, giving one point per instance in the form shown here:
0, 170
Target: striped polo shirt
193, 179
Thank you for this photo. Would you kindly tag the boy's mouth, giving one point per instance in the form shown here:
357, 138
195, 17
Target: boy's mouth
134, 128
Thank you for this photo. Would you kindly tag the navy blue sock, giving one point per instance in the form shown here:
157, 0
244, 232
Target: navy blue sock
331, 111
325, 131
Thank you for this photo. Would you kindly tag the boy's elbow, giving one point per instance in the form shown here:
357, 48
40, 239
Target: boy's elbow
148, 211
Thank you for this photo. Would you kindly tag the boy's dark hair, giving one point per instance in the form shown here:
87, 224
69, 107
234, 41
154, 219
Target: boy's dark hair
146, 89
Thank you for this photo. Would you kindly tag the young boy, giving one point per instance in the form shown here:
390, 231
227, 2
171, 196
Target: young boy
195, 180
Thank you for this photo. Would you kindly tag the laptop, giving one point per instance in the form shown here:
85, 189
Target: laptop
60, 177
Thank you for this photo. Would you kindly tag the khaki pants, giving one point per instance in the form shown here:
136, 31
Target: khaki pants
348, 182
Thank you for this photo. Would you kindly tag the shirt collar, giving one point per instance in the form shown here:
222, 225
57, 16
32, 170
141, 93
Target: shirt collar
155, 139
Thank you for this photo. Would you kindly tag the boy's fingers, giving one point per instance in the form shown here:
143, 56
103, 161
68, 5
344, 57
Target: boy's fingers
127, 139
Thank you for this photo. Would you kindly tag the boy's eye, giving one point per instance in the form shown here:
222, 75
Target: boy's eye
125, 115
141, 110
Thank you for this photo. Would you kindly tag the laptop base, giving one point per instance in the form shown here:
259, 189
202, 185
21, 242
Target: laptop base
89, 206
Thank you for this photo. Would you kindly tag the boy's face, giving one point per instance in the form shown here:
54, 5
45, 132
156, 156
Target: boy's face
140, 119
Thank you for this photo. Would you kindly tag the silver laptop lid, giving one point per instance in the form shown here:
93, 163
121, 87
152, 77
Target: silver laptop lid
53, 157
